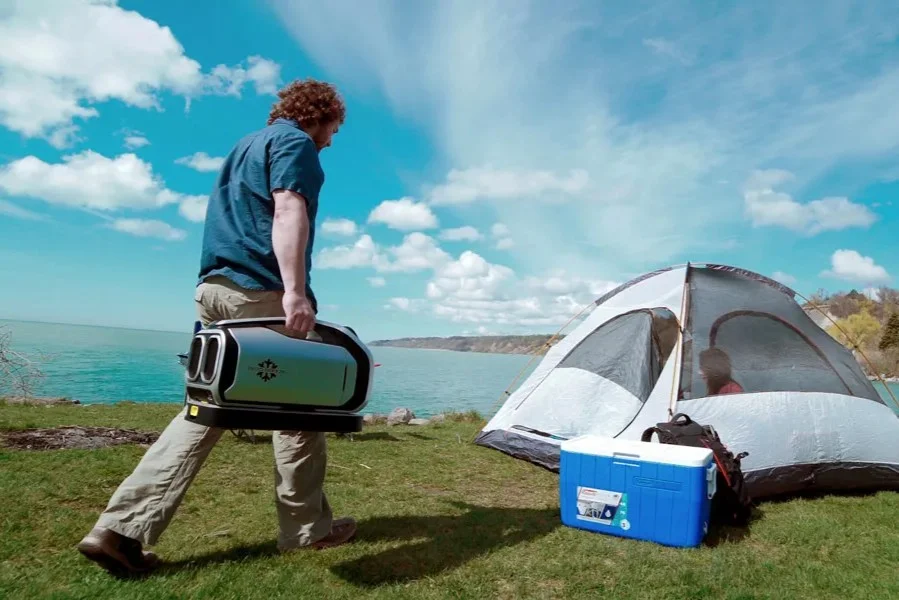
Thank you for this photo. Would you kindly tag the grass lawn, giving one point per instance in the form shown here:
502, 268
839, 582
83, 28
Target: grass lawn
439, 518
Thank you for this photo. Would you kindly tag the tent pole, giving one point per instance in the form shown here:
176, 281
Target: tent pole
679, 359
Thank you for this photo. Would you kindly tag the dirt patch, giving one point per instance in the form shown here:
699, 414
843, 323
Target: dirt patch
58, 438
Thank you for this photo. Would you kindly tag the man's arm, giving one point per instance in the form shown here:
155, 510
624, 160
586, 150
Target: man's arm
290, 232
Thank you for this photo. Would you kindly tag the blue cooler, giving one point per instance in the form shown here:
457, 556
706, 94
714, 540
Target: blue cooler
643, 490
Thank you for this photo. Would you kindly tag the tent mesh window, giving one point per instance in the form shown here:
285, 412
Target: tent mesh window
755, 335
630, 349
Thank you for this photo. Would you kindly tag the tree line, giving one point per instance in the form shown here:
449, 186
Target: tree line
866, 323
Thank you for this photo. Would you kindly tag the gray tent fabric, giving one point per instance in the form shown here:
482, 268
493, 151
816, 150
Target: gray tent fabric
624, 350
771, 343
801, 405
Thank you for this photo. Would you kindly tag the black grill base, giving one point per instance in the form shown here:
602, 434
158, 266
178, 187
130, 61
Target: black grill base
212, 415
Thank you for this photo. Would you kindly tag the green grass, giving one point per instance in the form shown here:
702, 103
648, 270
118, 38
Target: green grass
439, 518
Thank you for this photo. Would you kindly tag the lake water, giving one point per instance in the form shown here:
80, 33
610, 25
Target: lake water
100, 364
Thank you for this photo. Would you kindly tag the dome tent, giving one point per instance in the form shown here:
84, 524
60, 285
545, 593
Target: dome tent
807, 415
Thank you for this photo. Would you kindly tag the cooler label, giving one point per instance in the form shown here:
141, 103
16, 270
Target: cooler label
602, 506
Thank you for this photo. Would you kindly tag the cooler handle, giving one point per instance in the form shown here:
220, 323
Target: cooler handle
711, 478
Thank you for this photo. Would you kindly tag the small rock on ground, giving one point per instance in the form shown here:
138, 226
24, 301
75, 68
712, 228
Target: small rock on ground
400, 415
418, 422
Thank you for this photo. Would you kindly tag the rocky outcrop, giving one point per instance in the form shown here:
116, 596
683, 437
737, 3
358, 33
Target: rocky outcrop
33, 401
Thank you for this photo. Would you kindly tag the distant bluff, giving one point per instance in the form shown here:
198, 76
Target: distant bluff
497, 344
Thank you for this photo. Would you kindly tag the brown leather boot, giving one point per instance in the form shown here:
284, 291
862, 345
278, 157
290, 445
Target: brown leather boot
116, 553
342, 531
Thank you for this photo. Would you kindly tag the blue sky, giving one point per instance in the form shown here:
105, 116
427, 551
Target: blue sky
502, 163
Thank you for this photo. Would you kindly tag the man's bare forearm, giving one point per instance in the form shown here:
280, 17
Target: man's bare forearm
290, 232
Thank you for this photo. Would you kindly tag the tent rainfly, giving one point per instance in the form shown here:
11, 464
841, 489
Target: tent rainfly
798, 402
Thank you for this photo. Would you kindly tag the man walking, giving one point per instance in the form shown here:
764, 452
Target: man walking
256, 260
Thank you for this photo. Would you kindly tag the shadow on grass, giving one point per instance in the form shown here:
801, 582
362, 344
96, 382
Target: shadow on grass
374, 436
719, 534
436, 543
260, 550
442, 542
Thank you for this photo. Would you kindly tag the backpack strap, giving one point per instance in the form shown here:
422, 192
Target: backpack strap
665, 436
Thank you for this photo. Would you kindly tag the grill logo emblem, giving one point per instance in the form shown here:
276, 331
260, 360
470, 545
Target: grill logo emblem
267, 370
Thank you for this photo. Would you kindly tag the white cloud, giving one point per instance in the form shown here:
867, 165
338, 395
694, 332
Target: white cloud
784, 278
148, 228
470, 277
60, 58
264, 74
404, 214
133, 142
796, 89
200, 161
343, 227
193, 208
767, 207
499, 230
377, 282
466, 186
418, 252
14, 210
405, 304
361, 254
88, 180
477, 292
503, 236
469, 289
851, 266
460, 234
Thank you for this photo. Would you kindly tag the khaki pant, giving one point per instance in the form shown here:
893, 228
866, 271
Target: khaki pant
146, 500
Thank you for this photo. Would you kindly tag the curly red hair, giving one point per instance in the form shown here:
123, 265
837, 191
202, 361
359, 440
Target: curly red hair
309, 102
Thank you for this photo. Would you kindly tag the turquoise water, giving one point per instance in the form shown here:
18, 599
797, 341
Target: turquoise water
100, 364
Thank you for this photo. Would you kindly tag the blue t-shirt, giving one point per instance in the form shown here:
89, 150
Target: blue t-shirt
237, 238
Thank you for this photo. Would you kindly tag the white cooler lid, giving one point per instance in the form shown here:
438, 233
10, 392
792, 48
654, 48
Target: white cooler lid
671, 454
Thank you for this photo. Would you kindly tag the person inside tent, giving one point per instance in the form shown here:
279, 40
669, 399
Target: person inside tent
714, 365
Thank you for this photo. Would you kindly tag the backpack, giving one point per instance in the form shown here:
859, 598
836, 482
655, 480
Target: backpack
732, 504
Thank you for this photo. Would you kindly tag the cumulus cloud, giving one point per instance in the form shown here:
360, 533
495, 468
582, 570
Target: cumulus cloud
404, 214
132, 142
469, 288
636, 142
193, 208
459, 234
377, 282
405, 304
341, 227
784, 278
88, 180
200, 161
363, 253
60, 59
264, 74
502, 235
767, 207
150, 228
851, 266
